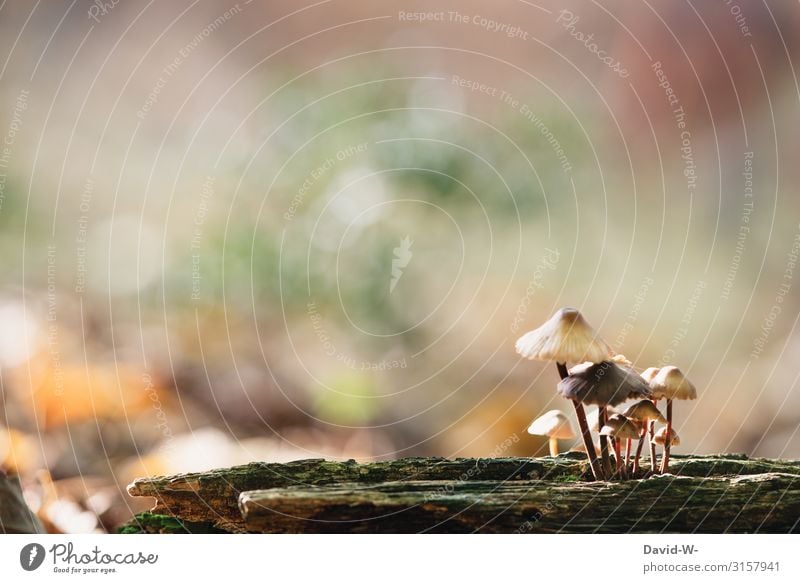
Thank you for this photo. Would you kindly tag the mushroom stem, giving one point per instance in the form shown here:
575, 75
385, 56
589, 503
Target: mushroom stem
667, 439
618, 452
553, 446
639, 449
653, 468
597, 471
602, 417
627, 453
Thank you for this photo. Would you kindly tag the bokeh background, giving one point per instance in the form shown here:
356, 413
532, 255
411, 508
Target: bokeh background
281, 230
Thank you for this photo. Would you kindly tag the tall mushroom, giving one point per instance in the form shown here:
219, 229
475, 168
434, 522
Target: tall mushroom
554, 425
644, 411
568, 337
670, 383
603, 384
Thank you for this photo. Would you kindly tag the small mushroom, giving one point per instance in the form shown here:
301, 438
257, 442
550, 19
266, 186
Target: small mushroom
644, 411
660, 438
568, 337
670, 383
554, 425
620, 427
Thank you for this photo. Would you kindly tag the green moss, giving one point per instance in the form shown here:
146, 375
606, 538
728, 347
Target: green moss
151, 523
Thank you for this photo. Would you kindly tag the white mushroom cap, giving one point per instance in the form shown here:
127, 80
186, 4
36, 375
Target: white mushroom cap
670, 383
661, 435
650, 373
566, 337
552, 424
644, 410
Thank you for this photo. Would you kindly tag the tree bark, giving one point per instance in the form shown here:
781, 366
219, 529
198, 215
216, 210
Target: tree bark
439, 495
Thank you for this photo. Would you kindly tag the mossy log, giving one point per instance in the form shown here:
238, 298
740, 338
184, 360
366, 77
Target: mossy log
759, 503
725, 493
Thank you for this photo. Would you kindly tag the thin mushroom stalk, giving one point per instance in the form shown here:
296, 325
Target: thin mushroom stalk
597, 471
627, 453
639, 448
668, 440
602, 417
618, 452
653, 459
553, 446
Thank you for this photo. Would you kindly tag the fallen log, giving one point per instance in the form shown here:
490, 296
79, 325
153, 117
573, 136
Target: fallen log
742, 504
212, 498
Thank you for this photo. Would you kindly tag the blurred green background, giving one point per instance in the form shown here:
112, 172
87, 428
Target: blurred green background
271, 231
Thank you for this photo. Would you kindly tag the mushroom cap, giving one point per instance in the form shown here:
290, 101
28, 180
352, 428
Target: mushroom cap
621, 427
661, 435
650, 373
552, 424
670, 383
565, 337
644, 410
604, 383
593, 417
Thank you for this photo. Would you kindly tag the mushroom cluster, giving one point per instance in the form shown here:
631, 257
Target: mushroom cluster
606, 380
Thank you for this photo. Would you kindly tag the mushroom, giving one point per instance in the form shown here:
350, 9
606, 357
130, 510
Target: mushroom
593, 417
643, 411
670, 383
620, 427
554, 425
660, 438
602, 384
568, 337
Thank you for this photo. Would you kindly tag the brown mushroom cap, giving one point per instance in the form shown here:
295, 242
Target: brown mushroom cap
621, 427
552, 424
604, 383
661, 436
670, 383
644, 410
566, 337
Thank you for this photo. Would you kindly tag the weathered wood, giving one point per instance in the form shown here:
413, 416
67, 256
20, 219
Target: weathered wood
211, 497
757, 503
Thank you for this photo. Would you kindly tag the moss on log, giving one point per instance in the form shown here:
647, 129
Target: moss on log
151, 523
459, 495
